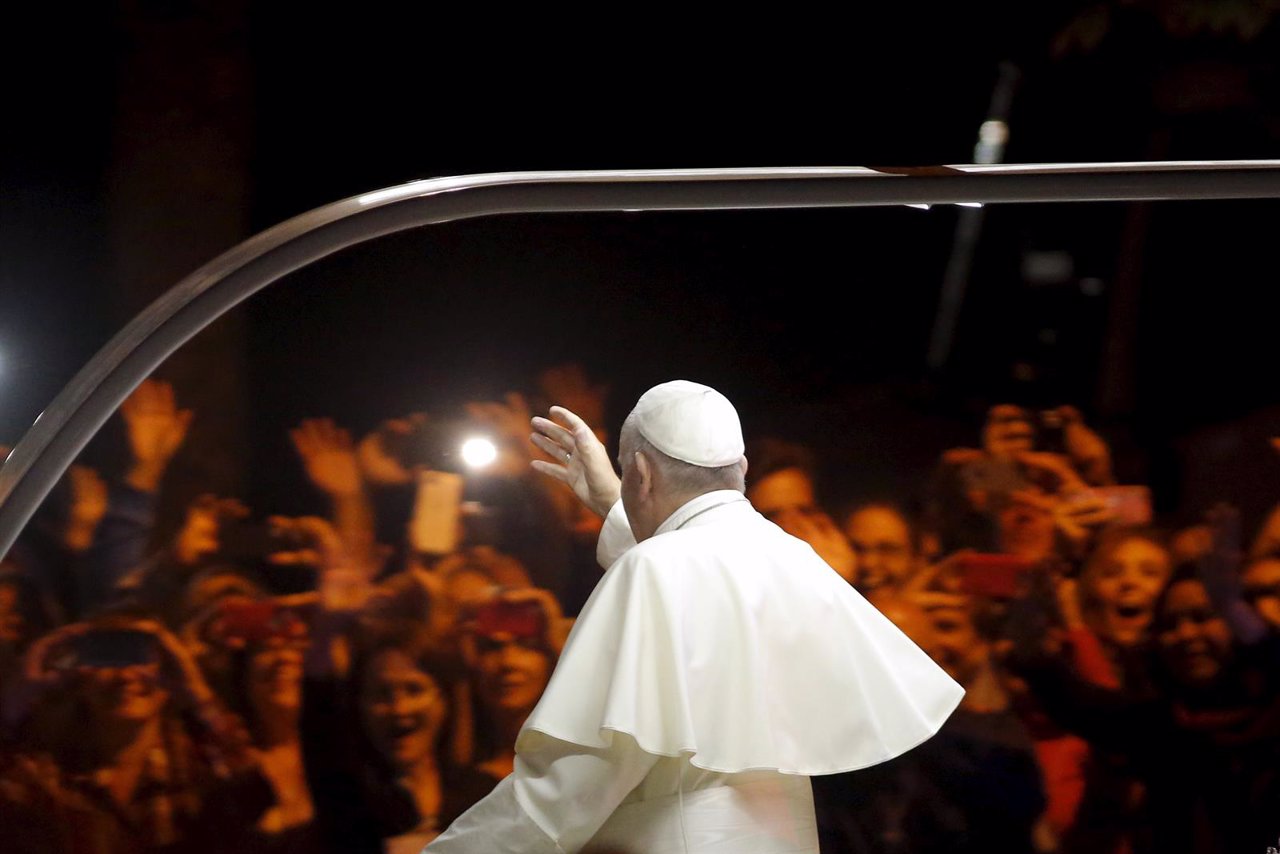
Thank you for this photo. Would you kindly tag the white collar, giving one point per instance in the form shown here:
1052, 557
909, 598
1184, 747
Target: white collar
704, 502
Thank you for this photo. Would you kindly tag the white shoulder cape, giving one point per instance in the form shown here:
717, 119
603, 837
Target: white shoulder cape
726, 640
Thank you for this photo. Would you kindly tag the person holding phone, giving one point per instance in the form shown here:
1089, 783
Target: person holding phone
129, 749
510, 645
718, 664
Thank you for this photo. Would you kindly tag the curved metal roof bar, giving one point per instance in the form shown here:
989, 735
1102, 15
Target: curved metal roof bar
71, 420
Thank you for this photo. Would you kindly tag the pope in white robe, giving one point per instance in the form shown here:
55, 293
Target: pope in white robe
718, 664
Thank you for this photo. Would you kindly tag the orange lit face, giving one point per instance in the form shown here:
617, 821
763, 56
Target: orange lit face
402, 707
881, 540
1195, 641
782, 492
1025, 525
1124, 585
275, 678
129, 694
513, 671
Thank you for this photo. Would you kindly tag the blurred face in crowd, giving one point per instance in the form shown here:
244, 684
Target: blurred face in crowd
1261, 582
946, 634
1009, 431
275, 678
881, 539
956, 646
1122, 586
1025, 525
403, 708
513, 671
1195, 641
129, 695
785, 491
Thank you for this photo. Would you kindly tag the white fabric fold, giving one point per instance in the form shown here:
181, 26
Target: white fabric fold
723, 639
498, 824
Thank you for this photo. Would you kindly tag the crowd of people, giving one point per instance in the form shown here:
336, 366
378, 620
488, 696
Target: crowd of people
353, 682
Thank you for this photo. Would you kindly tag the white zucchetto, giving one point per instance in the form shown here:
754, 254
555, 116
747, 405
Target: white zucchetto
690, 422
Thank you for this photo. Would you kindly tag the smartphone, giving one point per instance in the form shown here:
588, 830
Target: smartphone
1131, 505
435, 527
522, 619
996, 576
113, 648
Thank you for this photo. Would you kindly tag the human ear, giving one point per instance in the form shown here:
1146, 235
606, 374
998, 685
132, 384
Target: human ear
644, 475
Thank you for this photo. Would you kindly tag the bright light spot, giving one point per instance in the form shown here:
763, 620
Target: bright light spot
969, 204
920, 207
478, 452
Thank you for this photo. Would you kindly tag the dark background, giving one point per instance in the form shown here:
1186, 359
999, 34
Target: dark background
142, 138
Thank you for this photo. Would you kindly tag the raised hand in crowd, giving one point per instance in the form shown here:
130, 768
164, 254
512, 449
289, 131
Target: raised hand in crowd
329, 457
1089, 453
1053, 472
378, 464
1078, 517
199, 536
156, 429
318, 545
567, 385
344, 588
508, 422
89, 502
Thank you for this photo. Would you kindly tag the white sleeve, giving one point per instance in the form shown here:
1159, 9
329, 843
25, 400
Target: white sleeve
615, 537
554, 802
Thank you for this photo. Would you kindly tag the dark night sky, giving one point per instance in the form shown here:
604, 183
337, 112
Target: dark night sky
815, 322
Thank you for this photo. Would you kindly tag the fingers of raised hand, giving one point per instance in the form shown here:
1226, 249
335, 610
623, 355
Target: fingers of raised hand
318, 434
571, 420
560, 453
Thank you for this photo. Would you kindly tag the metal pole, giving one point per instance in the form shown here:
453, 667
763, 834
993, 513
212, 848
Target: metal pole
992, 136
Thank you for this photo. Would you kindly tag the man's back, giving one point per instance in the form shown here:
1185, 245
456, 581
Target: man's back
723, 639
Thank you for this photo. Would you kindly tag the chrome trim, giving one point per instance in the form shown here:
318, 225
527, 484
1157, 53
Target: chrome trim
76, 414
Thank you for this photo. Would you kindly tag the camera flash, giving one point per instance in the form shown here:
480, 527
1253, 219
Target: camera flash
478, 452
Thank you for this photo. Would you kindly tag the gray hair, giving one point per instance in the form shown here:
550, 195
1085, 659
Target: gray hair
677, 474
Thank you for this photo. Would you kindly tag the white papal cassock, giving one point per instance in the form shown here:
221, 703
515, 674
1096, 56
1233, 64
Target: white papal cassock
717, 666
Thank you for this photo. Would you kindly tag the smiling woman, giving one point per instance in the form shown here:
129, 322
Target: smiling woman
387, 782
